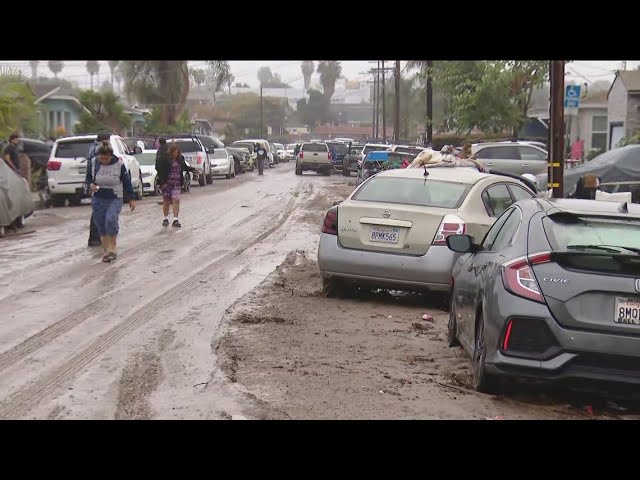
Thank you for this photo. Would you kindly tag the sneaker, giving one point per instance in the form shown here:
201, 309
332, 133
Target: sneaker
94, 243
113, 256
176, 224
106, 258
165, 223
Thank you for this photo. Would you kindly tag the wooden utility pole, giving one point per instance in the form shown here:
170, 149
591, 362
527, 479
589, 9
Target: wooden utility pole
261, 116
428, 133
396, 121
384, 103
378, 102
556, 130
373, 108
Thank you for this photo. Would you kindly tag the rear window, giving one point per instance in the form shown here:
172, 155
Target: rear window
78, 148
372, 148
314, 147
219, 153
569, 233
341, 148
414, 150
146, 158
248, 146
412, 191
186, 146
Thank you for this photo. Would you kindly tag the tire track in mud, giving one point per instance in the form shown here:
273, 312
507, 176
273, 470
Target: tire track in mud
75, 318
26, 398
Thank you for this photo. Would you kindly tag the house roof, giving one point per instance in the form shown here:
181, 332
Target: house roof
44, 91
598, 97
630, 79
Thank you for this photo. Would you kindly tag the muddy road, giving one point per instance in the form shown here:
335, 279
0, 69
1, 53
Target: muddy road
224, 318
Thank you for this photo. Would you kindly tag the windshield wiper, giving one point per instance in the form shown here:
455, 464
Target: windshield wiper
605, 248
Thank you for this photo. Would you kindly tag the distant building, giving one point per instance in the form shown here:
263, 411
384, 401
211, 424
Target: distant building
57, 107
590, 122
623, 107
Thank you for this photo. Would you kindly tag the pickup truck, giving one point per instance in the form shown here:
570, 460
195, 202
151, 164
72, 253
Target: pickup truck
350, 161
314, 156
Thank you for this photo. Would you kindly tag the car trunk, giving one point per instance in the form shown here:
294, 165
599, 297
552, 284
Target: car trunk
597, 292
404, 229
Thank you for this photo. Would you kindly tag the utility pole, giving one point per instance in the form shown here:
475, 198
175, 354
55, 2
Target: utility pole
396, 121
384, 102
373, 109
556, 130
378, 102
261, 117
428, 132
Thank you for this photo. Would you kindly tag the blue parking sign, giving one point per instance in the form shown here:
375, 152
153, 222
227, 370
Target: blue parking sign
572, 96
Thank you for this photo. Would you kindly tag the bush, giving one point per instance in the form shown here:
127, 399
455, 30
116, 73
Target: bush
593, 153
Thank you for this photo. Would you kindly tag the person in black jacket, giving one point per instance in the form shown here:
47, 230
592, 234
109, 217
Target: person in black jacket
170, 170
94, 235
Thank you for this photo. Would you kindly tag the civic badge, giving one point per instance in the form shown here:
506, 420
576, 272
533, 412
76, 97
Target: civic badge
387, 214
638, 285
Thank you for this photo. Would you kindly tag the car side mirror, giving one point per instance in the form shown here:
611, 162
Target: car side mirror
137, 150
461, 243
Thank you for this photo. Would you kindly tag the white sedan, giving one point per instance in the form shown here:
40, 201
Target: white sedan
222, 163
147, 161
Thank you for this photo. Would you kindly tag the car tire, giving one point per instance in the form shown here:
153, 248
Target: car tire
298, 170
155, 188
452, 327
333, 287
140, 191
482, 381
201, 180
209, 178
327, 172
58, 200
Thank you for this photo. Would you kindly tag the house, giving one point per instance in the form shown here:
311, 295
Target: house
57, 107
589, 122
138, 119
623, 107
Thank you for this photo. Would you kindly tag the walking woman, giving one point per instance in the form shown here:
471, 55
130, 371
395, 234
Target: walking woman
107, 178
170, 170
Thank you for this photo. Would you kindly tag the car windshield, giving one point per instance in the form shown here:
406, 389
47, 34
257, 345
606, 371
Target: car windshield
278, 146
73, 149
146, 158
374, 148
291, 146
589, 233
412, 191
186, 146
415, 150
219, 153
314, 147
248, 146
341, 148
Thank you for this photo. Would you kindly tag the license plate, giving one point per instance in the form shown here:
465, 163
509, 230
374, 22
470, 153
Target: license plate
627, 311
384, 235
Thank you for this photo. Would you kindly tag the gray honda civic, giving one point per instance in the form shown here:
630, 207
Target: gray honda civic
552, 292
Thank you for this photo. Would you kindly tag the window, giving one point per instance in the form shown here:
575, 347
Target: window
413, 191
599, 132
186, 145
146, 158
499, 153
374, 148
73, 149
491, 235
314, 147
496, 199
219, 153
121, 146
530, 153
341, 148
569, 232
507, 232
519, 193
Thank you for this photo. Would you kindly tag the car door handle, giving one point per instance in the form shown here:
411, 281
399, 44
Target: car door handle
315, 154
488, 164
525, 164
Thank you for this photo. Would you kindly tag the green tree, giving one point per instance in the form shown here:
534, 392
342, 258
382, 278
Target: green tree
158, 83
56, 66
307, 67
314, 110
105, 112
93, 67
264, 76
113, 66
34, 68
329, 72
219, 72
526, 77
244, 109
230, 80
198, 75
155, 122
17, 104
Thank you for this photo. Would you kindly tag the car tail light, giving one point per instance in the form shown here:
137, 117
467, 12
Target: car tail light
329, 155
451, 225
301, 155
518, 277
53, 165
330, 224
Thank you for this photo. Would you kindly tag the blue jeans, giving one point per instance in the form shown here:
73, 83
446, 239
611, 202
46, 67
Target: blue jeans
106, 212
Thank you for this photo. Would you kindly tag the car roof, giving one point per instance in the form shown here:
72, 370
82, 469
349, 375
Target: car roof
78, 137
504, 144
377, 145
632, 182
456, 174
586, 207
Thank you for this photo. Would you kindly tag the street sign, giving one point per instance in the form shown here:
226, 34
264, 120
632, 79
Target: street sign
572, 96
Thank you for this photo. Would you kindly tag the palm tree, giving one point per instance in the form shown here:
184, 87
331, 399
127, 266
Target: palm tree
219, 72
17, 103
230, 80
34, 68
117, 76
56, 67
113, 65
198, 75
329, 72
308, 68
93, 67
162, 83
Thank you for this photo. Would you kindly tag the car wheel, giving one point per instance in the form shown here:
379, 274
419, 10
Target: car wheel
298, 170
452, 327
334, 287
140, 191
155, 188
201, 180
58, 200
327, 172
209, 178
482, 381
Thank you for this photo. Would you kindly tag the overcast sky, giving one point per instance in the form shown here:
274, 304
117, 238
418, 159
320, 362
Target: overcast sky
246, 71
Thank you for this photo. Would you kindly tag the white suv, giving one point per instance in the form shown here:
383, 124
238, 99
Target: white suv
67, 167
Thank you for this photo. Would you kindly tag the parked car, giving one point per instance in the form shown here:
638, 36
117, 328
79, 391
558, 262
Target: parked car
352, 160
632, 187
145, 143
222, 163
341, 152
249, 146
372, 147
195, 154
391, 231
265, 145
147, 161
344, 140
39, 153
67, 167
314, 156
241, 159
376, 162
290, 148
413, 149
281, 152
550, 293
517, 158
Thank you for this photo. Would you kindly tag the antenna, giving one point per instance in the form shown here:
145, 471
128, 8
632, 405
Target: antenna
623, 208
426, 174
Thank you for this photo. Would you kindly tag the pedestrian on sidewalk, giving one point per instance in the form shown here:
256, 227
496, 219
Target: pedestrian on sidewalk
170, 170
94, 235
107, 178
262, 155
162, 155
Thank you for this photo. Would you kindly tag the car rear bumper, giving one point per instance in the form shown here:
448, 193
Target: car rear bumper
575, 355
222, 170
431, 271
314, 166
64, 188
